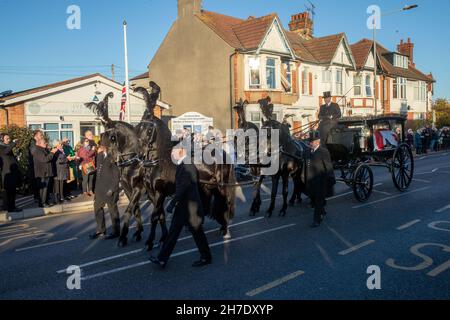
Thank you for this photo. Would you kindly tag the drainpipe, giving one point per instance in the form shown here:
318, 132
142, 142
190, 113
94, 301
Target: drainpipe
232, 78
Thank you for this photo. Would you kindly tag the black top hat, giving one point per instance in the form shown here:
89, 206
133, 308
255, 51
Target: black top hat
327, 94
314, 135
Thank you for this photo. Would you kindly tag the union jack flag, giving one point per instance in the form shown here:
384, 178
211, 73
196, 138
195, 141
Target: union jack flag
123, 104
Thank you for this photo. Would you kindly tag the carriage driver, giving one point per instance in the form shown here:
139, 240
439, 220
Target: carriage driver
319, 177
329, 114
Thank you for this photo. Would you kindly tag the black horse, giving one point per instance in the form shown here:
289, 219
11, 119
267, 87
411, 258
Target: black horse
290, 157
216, 180
120, 138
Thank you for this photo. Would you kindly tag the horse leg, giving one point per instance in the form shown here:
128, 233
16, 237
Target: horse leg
273, 197
151, 238
134, 201
285, 180
256, 204
139, 227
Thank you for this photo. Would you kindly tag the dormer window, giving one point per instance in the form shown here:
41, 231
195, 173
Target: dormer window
401, 61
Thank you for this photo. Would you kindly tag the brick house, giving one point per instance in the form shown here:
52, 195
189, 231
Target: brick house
208, 61
58, 108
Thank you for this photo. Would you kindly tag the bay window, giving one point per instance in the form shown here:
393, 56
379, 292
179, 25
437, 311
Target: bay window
271, 73
339, 83
420, 91
254, 73
400, 88
357, 81
368, 87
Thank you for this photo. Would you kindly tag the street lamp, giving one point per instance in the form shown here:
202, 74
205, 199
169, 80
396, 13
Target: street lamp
406, 8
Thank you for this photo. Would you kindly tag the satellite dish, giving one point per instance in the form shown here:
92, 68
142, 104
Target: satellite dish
6, 93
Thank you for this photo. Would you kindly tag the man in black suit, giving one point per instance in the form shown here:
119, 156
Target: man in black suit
43, 169
320, 177
329, 115
188, 211
10, 174
106, 193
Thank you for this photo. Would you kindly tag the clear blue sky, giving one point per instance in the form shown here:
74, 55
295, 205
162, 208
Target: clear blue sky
36, 47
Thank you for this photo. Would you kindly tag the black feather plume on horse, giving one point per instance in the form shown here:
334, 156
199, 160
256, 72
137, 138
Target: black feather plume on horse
101, 109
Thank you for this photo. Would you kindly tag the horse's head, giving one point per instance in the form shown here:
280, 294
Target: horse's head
266, 108
119, 137
150, 99
240, 110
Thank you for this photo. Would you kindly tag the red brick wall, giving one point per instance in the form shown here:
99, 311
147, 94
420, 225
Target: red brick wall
16, 115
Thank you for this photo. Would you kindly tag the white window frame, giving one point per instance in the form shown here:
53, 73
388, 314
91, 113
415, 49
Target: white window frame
254, 86
326, 76
401, 88
274, 68
339, 89
357, 85
368, 86
305, 82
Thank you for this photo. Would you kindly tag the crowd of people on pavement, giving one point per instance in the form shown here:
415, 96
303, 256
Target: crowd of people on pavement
429, 139
55, 172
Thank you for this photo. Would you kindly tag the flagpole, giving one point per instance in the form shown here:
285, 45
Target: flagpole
127, 82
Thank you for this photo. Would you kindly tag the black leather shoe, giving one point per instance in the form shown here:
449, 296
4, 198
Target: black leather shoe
158, 262
112, 236
315, 225
201, 263
96, 235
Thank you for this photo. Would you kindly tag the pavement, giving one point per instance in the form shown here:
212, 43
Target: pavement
404, 237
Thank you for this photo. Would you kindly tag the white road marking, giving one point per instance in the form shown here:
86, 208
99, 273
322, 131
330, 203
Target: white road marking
421, 158
25, 236
18, 231
268, 199
434, 226
21, 234
275, 283
390, 198
421, 180
407, 225
184, 252
357, 247
434, 170
383, 192
265, 189
140, 250
232, 225
447, 207
435, 272
45, 244
324, 254
340, 237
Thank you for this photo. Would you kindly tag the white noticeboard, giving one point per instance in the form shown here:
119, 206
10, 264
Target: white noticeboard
194, 121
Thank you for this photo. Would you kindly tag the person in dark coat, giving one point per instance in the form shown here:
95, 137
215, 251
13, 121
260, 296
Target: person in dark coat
188, 212
10, 174
61, 172
329, 114
106, 193
418, 141
427, 135
43, 168
320, 178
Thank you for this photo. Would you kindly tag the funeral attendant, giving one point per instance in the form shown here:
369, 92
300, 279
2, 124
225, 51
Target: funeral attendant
188, 210
319, 177
10, 174
329, 114
106, 194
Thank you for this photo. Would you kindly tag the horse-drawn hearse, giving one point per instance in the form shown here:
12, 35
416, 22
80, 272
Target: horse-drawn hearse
358, 143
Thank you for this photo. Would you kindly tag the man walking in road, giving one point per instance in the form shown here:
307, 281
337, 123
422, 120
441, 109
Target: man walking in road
320, 177
188, 211
107, 193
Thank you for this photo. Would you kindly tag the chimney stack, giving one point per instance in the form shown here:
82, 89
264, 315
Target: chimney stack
302, 24
188, 8
407, 48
